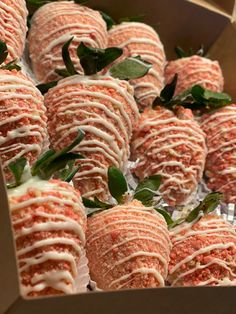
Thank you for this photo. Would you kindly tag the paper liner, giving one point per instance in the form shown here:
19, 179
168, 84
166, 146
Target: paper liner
94, 286
25, 64
83, 279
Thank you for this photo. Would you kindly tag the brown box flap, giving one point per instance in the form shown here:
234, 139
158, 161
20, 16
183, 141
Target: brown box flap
8, 270
222, 7
201, 300
224, 50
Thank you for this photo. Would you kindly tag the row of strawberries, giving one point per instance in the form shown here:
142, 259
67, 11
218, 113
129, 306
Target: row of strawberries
129, 243
164, 142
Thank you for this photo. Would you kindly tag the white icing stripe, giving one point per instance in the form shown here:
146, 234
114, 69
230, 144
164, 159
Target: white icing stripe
58, 280
47, 242
159, 228
46, 256
145, 230
217, 261
201, 251
139, 238
158, 256
140, 271
150, 213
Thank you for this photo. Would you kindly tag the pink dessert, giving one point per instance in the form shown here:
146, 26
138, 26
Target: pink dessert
195, 70
220, 129
141, 39
172, 145
13, 20
104, 108
128, 246
203, 253
49, 228
23, 131
53, 25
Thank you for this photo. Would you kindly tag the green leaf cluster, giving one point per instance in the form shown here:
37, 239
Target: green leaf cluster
196, 98
60, 164
12, 65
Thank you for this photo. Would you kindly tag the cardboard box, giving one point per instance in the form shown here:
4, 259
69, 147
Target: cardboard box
178, 22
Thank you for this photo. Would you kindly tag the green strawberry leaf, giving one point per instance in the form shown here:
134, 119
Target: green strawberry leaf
46, 86
138, 18
180, 52
94, 60
117, 183
209, 204
176, 223
166, 215
168, 91
195, 98
130, 68
52, 162
11, 66
17, 168
3, 51
184, 54
71, 175
167, 94
96, 203
67, 59
109, 20
62, 72
56, 165
147, 188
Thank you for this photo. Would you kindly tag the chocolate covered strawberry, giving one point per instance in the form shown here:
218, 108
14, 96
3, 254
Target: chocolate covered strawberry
168, 141
220, 129
49, 225
139, 39
102, 106
194, 69
53, 25
128, 245
13, 19
23, 131
204, 250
